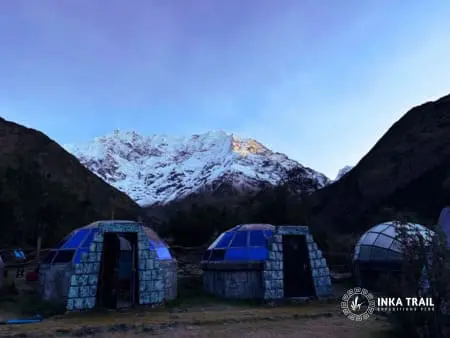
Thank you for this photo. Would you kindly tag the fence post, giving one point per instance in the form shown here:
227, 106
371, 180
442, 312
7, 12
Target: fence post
38, 250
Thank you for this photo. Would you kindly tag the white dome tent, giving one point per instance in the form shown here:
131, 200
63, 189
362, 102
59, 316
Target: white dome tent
379, 251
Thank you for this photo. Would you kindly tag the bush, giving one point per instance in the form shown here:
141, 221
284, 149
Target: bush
32, 304
425, 273
9, 289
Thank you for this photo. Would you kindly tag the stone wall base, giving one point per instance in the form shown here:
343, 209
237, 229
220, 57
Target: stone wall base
170, 279
54, 281
234, 284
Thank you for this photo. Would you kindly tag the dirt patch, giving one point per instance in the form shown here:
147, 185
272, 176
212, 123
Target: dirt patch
309, 328
309, 320
328, 327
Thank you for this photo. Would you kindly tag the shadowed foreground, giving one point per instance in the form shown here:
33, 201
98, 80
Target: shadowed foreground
309, 328
307, 320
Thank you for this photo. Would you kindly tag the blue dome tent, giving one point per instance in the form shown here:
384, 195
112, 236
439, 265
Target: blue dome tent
245, 243
77, 243
263, 261
109, 255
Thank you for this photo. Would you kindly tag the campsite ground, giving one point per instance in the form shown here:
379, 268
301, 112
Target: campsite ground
193, 314
204, 318
312, 328
300, 321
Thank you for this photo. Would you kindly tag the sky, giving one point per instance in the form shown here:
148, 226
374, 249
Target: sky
320, 81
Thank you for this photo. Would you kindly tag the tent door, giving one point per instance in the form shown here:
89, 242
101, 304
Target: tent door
128, 271
297, 274
134, 281
108, 281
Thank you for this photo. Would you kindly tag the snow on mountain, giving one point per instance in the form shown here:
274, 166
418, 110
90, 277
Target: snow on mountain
342, 172
159, 169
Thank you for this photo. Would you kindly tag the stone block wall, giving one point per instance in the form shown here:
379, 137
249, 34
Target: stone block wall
320, 272
84, 276
273, 269
234, 284
54, 281
170, 268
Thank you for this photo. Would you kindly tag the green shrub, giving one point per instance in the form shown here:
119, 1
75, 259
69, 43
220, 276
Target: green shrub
422, 260
32, 304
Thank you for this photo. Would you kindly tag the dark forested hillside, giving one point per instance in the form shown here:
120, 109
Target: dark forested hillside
196, 224
408, 170
44, 189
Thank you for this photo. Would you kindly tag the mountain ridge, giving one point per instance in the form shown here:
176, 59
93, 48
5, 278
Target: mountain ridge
42, 185
406, 170
343, 171
159, 169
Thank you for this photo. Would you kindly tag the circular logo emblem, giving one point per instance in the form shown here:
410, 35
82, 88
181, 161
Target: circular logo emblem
358, 304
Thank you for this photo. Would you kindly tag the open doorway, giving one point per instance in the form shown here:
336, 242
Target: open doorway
118, 280
297, 274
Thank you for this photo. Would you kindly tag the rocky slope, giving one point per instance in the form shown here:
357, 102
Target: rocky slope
42, 185
160, 169
342, 172
408, 170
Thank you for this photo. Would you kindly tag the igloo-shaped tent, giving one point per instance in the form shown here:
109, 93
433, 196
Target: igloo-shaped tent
109, 263
262, 261
379, 252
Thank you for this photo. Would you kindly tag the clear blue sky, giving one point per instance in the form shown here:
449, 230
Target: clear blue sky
318, 80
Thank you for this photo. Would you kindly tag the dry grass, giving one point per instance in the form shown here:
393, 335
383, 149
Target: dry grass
204, 317
309, 320
311, 328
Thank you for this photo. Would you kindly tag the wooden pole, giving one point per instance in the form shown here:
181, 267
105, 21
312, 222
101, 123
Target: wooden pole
38, 249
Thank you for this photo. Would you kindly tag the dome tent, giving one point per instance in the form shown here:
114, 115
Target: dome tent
246, 242
379, 252
114, 263
262, 261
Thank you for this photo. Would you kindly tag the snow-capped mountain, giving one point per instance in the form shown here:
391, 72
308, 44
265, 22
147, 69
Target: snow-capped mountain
159, 169
342, 172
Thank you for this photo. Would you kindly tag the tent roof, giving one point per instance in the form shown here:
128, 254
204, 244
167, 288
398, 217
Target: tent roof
381, 243
78, 241
243, 243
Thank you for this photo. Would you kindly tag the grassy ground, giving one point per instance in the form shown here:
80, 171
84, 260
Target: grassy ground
307, 320
312, 328
192, 314
203, 316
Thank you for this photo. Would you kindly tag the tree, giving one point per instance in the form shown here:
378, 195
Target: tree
425, 272
437, 277
191, 227
272, 206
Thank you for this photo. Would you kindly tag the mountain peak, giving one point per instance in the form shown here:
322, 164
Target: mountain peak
158, 169
343, 171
